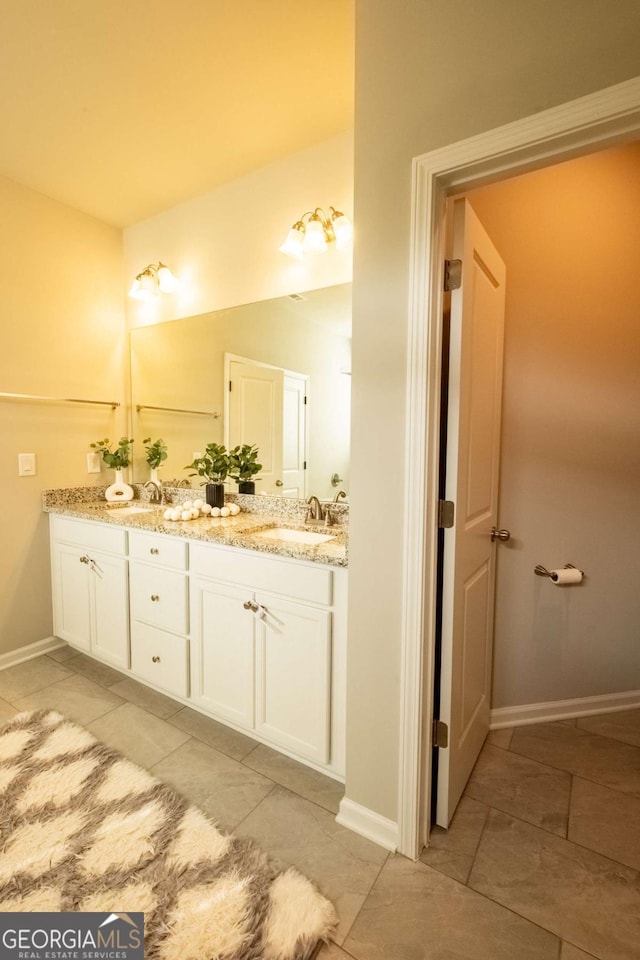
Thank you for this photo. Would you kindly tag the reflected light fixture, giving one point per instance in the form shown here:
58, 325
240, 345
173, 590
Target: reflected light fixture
154, 279
314, 231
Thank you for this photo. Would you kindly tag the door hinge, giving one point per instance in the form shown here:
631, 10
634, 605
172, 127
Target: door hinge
452, 275
304, 465
229, 386
440, 734
305, 401
446, 514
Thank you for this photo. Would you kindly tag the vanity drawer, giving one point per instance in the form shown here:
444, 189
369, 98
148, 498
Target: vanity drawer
97, 536
161, 658
158, 550
299, 580
159, 597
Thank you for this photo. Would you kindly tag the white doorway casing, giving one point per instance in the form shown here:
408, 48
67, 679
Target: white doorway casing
580, 126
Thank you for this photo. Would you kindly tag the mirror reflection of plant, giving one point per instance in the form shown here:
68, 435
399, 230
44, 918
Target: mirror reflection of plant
156, 452
213, 465
117, 459
243, 463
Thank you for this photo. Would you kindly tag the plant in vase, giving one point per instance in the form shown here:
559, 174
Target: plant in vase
117, 460
157, 453
243, 466
213, 465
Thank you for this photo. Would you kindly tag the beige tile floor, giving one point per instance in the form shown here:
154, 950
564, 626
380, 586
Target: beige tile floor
542, 860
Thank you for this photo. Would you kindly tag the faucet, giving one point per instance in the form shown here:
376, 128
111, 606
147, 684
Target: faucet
314, 513
157, 493
340, 495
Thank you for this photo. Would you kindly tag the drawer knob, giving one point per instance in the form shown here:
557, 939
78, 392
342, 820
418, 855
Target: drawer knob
154, 551
155, 597
155, 659
85, 559
251, 605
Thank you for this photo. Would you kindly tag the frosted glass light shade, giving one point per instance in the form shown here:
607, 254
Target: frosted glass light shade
293, 245
168, 283
343, 230
145, 287
315, 240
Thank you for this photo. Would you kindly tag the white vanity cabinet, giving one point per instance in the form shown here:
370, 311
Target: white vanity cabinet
264, 649
90, 588
159, 611
254, 640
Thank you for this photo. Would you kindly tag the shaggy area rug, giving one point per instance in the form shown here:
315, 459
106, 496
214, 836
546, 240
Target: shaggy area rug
83, 829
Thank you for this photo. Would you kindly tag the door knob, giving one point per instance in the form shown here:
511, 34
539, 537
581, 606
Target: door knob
251, 605
279, 483
501, 535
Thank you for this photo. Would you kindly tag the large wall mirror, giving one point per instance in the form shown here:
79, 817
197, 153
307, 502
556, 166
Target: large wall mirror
275, 373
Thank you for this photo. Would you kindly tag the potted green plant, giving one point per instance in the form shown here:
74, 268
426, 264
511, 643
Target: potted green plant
213, 465
118, 459
243, 466
157, 453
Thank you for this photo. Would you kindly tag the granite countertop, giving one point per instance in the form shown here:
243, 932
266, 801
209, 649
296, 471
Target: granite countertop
233, 531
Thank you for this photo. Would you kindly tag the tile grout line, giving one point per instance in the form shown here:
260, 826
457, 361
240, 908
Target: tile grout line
475, 853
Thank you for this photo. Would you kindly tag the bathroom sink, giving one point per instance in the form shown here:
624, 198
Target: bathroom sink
128, 510
307, 537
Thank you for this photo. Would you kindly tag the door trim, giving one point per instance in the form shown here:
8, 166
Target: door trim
570, 130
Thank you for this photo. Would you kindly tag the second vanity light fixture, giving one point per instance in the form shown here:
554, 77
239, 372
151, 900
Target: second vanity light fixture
151, 281
314, 231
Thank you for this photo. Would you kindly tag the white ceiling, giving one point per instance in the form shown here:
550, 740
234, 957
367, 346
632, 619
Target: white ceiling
123, 108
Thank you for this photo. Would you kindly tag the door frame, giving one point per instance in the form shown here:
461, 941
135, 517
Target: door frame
575, 128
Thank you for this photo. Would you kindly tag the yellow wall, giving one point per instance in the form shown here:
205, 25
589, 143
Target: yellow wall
62, 335
569, 236
429, 74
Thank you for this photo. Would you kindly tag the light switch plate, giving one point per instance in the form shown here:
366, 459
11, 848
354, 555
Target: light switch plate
26, 464
93, 463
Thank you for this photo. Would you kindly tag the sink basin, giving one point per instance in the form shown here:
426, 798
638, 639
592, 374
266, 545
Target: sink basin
294, 536
129, 510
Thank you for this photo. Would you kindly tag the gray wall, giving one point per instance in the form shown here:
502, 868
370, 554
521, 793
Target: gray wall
428, 74
570, 477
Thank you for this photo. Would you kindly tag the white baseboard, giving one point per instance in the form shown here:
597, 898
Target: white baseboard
12, 657
563, 709
368, 824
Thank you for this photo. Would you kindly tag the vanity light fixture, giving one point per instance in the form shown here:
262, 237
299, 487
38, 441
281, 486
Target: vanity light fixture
314, 231
155, 278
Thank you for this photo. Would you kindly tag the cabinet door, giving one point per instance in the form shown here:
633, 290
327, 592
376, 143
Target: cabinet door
71, 595
222, 644
110, 596
293, 676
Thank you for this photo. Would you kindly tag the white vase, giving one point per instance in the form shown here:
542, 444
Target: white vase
118, 490
153, 475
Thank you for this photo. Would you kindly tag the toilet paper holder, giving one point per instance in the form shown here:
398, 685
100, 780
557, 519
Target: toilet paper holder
541, 571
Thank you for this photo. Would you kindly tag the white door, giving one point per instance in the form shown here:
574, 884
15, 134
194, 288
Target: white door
293, 677
255, 417
222, 650
472, 468
110, 596
294, 434
71, 595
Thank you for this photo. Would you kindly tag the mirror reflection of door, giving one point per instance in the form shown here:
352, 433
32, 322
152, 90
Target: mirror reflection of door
267, 408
